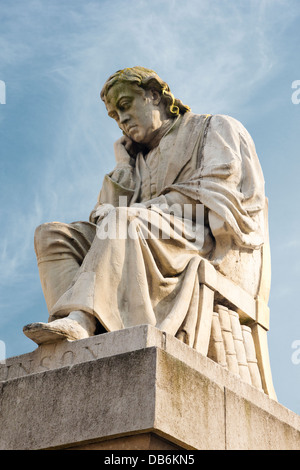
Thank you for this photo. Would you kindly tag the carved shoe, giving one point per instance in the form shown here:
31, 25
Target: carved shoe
57, 330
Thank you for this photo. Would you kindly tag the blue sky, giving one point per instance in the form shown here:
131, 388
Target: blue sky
237, 57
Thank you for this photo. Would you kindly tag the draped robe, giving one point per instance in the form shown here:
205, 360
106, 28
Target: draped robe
144, 279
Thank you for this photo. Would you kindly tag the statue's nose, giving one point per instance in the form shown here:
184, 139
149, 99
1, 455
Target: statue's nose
123, 118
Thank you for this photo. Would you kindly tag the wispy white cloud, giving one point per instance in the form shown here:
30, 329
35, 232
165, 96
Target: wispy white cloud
18, 243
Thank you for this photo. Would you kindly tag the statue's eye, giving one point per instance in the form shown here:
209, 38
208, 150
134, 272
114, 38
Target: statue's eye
124, 105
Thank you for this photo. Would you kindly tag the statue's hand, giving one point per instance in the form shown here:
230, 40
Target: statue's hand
122, 149
102, 211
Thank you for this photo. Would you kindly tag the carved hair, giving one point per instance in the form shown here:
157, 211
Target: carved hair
146, 79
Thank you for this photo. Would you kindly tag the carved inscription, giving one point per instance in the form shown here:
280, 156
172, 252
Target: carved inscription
48, 358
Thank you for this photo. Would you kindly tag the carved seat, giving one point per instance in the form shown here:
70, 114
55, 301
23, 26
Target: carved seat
216, 290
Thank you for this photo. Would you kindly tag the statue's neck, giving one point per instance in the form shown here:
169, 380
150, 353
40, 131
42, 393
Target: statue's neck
166, 126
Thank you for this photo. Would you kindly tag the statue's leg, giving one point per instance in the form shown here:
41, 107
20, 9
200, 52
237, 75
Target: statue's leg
60, 249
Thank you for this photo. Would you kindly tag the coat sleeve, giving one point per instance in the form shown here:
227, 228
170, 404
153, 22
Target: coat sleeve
118, 184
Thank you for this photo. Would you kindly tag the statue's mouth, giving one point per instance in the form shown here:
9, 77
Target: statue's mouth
131, 127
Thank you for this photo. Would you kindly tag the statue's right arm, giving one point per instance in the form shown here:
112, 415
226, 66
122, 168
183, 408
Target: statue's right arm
118, 183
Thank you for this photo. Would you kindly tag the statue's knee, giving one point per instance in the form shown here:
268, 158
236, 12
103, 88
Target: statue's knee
42, 230
42, 237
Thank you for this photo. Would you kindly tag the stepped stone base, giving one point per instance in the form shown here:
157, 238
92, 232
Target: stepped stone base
134, 389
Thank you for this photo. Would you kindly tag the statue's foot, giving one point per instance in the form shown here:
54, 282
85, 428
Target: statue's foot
58, 330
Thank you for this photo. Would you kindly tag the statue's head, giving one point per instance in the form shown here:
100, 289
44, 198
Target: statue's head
146, 79
140, 101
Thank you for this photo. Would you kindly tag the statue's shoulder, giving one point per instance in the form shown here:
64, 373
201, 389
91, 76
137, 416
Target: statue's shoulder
216, 119
221, 123
225, 123
193, 120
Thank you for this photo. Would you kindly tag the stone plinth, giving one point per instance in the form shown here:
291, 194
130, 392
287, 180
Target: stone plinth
136, 388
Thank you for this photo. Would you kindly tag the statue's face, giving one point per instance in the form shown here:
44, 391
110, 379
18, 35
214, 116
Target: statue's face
137, 114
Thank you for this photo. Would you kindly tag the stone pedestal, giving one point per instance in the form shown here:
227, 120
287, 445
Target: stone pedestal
136, 388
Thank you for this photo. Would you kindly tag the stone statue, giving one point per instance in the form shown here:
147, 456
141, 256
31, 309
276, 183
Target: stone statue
185, 188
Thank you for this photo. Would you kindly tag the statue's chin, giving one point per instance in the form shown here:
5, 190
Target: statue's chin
134, 134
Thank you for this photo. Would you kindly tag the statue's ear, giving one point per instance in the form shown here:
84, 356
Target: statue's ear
156, 96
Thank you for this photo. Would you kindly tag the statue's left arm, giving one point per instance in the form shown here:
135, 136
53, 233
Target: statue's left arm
228, 182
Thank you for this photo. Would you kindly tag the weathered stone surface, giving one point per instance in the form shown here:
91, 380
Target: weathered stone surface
67, 353
137, 381
251, 426
144, 441
189, 406
105, 397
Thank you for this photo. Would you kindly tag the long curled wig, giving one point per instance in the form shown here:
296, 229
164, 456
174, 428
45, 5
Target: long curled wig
146, 79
